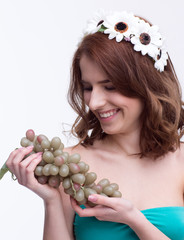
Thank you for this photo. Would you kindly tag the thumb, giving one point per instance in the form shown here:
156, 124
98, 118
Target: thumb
101, 200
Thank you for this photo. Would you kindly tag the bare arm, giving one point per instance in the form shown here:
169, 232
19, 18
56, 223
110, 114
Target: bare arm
55, 226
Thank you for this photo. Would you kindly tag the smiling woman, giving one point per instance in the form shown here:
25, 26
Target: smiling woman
115, 112
129, 126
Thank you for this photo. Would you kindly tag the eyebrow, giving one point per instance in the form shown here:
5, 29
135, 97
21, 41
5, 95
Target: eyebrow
103, 81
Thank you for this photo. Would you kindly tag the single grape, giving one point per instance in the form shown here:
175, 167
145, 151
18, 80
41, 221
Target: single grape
54, 170
114, 186
117, 194
74, 158
89, 191
58, 161
58, 152
40, 138
80, 195
38, 171
30, 135
45, 144
61, 146
74, 168
54, 181
42, 179
103, 194
66, 183
24, 142
48, 157
65, 155
82, 166
42, 163
86, 168
78, 178
97, 188
108, 190
69, 191
55, 143
38, 148
90, 178
84, 201
64, 170
104, 182
46, 169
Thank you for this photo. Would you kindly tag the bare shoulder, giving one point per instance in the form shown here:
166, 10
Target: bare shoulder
85, 152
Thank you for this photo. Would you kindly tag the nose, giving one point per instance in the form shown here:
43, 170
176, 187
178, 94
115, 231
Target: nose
97, 99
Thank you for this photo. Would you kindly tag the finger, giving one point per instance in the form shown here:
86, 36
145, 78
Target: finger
11, 156
29, 159
27, 169
15, 158
86, 212
102, 200
21, 154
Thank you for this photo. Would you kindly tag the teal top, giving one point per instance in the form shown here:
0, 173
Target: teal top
169, 220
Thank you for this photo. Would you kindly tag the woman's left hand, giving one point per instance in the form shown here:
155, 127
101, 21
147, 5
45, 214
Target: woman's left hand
107, 209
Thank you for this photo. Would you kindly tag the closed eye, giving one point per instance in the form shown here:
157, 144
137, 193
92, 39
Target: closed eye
87, 88
110, 88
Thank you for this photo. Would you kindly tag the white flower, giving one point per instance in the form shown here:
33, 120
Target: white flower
94, 24
147, 39
162, 61
120, 25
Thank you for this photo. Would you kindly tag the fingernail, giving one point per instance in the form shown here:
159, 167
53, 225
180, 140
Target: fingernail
92, 198
29, 147
39, 153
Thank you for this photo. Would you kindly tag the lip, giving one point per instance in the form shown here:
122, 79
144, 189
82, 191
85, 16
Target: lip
112, 112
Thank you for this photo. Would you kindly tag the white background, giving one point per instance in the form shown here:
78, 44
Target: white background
37, 42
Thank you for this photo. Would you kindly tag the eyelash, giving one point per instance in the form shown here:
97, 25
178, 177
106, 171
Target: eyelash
90, 88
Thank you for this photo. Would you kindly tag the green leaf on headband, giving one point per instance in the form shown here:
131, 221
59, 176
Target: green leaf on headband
102, 28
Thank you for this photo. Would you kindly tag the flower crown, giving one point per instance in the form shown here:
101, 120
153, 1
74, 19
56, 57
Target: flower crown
126, 26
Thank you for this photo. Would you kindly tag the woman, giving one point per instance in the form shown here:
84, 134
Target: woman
130, 122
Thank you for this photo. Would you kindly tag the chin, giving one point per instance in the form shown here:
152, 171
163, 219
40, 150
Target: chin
110, 131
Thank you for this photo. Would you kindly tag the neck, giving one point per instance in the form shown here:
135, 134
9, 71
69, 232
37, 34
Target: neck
127, 143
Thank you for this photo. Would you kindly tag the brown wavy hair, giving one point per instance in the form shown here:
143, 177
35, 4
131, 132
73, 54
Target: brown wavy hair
134, 76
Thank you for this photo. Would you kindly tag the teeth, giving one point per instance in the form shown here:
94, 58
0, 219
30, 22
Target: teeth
106, 115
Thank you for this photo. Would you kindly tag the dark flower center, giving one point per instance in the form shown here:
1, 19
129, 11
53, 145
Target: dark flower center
101, 21
121, 27
145, 38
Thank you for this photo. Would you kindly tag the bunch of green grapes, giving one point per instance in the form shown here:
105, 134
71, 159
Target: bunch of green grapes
58, 167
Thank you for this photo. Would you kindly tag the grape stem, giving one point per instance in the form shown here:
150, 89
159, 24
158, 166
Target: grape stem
73, 187
3, 170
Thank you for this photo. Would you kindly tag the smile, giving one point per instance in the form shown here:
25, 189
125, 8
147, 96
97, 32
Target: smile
108, 114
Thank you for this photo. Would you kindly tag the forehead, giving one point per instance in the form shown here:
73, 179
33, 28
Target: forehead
90, 69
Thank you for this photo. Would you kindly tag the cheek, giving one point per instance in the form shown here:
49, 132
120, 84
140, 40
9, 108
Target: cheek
134, 106
138, 107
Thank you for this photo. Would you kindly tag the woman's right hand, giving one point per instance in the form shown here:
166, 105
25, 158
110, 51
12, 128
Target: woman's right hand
23, 169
